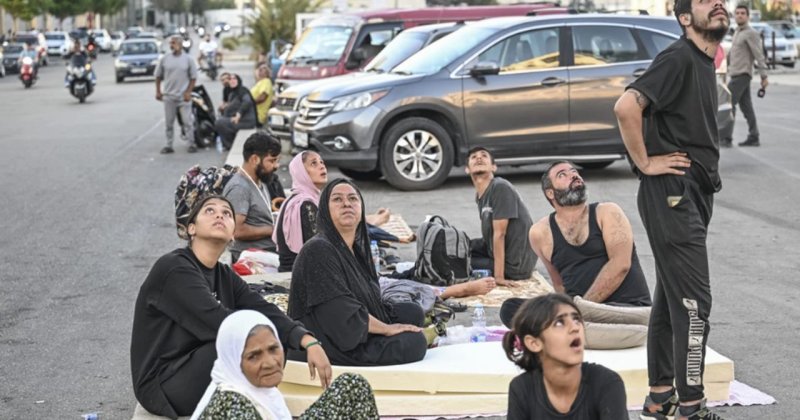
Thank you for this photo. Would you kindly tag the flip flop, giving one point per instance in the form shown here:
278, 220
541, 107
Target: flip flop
455, 305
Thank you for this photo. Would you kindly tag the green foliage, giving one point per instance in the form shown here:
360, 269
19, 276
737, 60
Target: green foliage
172, 6
106, 7
772, 10
63, 9
276, 21
24, 9
230, 43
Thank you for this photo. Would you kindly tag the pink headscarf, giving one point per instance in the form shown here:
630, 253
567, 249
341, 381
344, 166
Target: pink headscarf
303, 189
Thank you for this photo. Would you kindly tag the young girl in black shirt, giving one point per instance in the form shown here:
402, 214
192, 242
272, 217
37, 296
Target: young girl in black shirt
546, 340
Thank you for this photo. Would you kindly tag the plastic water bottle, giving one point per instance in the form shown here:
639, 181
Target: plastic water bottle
376, 256
479, 333
219, 144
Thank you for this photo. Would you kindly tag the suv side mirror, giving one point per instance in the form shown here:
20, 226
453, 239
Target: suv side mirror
484, 68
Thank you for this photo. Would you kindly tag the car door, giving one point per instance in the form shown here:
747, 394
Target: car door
605, 59
523, 108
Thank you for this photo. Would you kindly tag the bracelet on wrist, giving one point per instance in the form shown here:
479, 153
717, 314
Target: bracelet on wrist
313, 343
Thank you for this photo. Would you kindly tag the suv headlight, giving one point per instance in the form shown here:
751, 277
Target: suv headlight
358, 100
120, 64
154, 62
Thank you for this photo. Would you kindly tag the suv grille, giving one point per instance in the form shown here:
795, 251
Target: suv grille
309, 113
285, 104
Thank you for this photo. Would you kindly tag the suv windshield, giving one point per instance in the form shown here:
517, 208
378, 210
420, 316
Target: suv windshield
12, 49
321, 43
137, 48
439, 54
766, 30
55, 37
402, 47
30, 40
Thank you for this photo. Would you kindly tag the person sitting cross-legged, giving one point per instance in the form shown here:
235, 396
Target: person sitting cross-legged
588, 251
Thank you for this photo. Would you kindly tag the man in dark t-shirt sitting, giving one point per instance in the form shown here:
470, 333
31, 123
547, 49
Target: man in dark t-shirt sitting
503, 246
588, 251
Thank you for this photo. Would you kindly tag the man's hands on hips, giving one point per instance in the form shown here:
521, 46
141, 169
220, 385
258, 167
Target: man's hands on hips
666, 164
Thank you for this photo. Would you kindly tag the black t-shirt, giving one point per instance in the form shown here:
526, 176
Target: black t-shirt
308, 226
180, 307
502, 201
681, 85
601, 396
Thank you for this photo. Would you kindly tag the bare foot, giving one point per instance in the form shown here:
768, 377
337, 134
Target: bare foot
380, 217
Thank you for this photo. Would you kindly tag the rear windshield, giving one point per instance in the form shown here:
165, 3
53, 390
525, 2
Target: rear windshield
402, 47
321, 43
12, 49
443, 52
137, 48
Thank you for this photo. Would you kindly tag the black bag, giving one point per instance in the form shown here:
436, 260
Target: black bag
443, 254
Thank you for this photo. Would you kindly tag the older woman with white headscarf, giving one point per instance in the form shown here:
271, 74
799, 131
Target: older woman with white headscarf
248, 369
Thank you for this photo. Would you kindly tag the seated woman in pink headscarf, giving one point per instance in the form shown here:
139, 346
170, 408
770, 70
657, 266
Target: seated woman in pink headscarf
297, 221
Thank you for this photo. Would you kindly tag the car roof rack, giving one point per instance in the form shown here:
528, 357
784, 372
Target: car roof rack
552, 11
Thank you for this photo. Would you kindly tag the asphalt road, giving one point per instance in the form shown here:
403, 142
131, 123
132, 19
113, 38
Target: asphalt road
88, 209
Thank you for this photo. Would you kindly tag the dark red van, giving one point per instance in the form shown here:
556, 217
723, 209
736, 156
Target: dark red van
341, 43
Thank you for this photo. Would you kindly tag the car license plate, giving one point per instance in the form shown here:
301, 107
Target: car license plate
276, 120
300, 139
138, 70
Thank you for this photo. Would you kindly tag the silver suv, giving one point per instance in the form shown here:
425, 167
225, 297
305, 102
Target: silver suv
529, 89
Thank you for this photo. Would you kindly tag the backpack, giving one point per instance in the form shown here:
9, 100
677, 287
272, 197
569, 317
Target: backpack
443, 254
195, 183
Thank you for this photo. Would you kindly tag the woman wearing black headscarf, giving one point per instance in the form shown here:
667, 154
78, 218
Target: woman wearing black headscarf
335, 291
239, 113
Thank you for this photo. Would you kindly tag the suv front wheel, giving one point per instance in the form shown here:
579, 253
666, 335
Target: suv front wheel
416, 154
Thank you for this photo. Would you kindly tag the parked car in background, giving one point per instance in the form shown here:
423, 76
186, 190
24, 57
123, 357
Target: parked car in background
103, 39
342, 43
137, 57
2, 63
11, 54
37, 41
530, 90
116, 40
133, 31
785, 50
58, 43
281, 116
789, 30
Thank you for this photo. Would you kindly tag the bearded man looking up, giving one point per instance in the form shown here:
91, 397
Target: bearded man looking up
667, 119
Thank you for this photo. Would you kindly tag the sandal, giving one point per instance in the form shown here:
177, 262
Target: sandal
455, 305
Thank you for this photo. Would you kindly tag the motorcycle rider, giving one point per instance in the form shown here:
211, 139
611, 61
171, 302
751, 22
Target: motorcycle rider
209, 46
79, 52
28, 51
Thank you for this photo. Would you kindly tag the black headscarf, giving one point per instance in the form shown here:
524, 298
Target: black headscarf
325, 268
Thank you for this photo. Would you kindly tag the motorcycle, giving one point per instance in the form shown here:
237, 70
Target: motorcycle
210, 68
187, 43
27, 72
204, 118
79, 72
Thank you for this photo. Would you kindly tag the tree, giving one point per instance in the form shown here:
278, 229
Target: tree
172, 6
106, 7
773, 10
276, 20
22, 9
63, 9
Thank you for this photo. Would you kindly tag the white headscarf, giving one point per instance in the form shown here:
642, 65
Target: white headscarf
227, 372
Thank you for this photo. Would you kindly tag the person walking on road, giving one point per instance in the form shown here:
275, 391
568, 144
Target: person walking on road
746, 50
677, 159
178, 72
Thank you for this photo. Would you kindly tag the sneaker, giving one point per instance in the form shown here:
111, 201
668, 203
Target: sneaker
659, 411
192, 149
167, 150
750, 143
702, 413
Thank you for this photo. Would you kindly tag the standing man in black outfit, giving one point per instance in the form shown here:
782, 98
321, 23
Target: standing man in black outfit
505, 221
676, 157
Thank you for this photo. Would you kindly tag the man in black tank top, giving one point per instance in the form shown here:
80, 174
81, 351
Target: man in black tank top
588, 250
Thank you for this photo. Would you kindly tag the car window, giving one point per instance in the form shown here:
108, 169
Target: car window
655, 42
135, 48
526, 51
604, 45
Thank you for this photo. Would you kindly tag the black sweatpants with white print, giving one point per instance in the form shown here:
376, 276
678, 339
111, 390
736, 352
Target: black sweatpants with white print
676, 213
